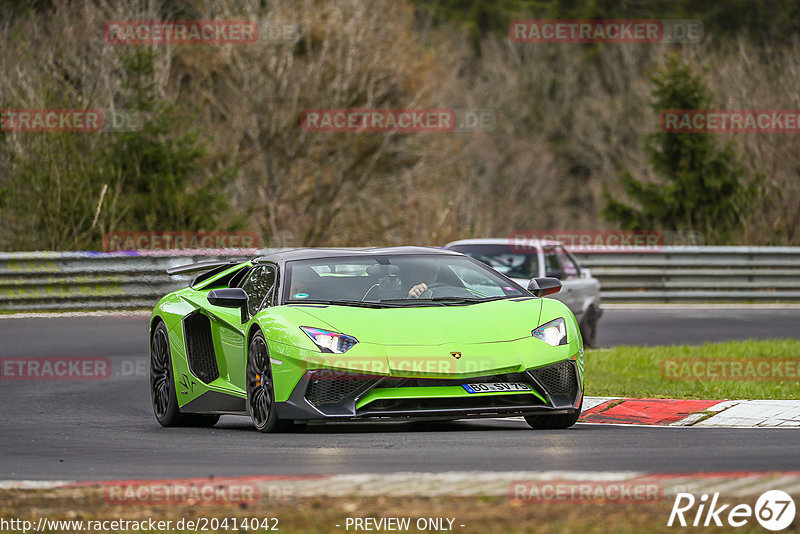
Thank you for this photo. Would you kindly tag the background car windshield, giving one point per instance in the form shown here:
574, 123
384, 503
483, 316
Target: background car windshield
386, 277
501, 258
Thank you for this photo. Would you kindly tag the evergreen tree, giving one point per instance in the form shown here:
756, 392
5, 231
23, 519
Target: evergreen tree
158, 163
701, 186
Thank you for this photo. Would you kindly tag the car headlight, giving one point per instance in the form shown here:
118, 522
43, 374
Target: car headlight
553, 333
328, 341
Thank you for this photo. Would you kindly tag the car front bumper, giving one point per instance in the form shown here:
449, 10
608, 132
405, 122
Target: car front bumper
323, 395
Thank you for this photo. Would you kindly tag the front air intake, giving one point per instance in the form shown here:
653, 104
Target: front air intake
332, 388
559, 380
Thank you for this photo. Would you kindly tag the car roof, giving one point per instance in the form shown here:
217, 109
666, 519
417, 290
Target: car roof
528, 242
318, 253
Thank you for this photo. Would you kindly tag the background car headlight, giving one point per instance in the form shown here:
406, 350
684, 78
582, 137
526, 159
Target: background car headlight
553, 333
329, 341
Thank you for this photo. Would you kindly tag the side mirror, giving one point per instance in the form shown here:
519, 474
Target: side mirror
231, 297
544, 286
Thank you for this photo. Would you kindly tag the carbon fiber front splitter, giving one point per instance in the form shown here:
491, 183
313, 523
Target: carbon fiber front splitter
298, 406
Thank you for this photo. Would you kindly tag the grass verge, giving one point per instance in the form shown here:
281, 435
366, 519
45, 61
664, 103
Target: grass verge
766, 370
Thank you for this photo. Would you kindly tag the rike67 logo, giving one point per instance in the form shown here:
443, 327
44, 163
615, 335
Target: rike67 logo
774, 510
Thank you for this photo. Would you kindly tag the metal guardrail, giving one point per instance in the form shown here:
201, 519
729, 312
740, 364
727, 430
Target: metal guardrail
699, 274
45, 281
41, 281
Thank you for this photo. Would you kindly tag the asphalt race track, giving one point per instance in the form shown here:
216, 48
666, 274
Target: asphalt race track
104, 429
695, 325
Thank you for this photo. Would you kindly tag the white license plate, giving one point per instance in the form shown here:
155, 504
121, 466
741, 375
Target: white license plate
496, 386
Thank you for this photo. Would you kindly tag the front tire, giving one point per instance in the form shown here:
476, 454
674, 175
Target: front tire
260, 389
554, 422
588, 328
162, 386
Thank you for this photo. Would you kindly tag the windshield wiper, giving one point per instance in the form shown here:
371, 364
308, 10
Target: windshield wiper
396, 303
440, 301
465, 300
356, 303
411, 302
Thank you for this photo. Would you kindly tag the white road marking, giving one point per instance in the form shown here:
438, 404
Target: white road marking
62, 315
471, 483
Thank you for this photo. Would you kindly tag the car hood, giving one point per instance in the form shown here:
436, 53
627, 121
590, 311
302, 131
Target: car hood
495, 321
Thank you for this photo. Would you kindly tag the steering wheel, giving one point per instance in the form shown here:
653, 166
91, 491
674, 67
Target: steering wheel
428, 293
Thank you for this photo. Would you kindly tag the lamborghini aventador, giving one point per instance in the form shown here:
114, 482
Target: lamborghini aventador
319, 335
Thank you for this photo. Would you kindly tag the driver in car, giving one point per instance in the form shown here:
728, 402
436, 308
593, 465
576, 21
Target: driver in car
426, 273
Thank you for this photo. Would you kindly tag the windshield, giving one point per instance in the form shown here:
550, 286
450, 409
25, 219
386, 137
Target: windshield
500, 257
395, 280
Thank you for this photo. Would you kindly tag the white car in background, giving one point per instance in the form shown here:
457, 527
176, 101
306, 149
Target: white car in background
580, 291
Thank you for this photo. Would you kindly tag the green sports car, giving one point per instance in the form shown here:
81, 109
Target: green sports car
403, 333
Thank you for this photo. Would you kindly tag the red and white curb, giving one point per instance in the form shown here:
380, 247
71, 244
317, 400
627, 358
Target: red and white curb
692, 412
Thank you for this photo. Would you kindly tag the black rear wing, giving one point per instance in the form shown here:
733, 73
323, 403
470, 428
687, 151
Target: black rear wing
201, 266
211, 269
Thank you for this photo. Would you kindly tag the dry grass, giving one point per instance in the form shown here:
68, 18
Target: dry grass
321, 515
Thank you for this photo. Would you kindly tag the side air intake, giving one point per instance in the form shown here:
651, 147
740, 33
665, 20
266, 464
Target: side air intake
200, 347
